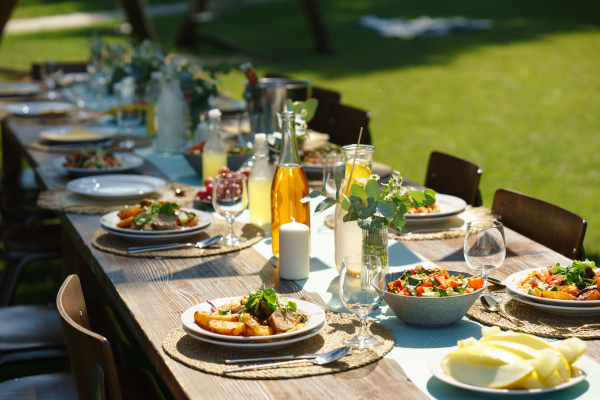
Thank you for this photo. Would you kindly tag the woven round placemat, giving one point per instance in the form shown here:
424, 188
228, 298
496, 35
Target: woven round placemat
443, 233
210, 358
45, 145
531, 318
62, 199
104, 241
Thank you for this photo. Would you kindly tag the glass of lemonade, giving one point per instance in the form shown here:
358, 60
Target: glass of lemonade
348, 235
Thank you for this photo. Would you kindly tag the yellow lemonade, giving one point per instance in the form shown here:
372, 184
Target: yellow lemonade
150, 123
260, 201
211, 162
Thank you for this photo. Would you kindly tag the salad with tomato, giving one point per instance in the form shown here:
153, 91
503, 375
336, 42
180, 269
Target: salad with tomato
231, 150
421, 282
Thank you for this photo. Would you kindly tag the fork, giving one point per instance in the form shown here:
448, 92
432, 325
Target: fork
568, 329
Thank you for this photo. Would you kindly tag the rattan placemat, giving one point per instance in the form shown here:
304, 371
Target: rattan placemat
250, 234
62, 199
531, 318
51, 147
446, 230
210, 358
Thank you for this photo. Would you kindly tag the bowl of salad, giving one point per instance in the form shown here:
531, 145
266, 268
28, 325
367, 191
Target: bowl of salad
236, 156
431, 298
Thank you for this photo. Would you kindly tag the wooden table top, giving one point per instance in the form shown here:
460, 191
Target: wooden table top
150, 296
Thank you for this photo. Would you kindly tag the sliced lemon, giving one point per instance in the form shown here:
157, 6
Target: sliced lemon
361, 171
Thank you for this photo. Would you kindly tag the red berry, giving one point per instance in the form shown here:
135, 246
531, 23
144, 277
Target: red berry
209, 181
224, 170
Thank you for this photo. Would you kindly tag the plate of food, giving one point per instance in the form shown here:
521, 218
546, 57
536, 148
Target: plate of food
152, 218
14, 89
511, 363
575, 285
445, 207
559, 310
39, 108
262, 315
314, 160
96, 160
116, 186
78, 134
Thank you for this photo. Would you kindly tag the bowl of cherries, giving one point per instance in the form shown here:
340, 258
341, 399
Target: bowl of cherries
204, 196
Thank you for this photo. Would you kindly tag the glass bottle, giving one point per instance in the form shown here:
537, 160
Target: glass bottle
214, 154
289, 184
170, 110
348, 237
151, 97
260, 182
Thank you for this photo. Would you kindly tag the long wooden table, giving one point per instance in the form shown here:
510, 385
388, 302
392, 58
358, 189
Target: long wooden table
151, 294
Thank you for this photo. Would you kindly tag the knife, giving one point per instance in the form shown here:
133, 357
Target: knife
200, 245
302, 357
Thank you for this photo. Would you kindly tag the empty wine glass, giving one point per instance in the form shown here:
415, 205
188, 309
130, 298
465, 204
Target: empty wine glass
359, 294
230, 199
50, 71
128, 110
334, 164
485, 247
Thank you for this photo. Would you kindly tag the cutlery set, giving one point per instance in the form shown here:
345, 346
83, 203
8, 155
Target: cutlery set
170, 246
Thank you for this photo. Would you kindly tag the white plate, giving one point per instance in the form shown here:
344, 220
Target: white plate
514, 279
14, 89
109, 222
91, 134
316, 313
258, 346
449, 207
116, 186
570, 311
580, 372
73, 77
128, 161
39, 108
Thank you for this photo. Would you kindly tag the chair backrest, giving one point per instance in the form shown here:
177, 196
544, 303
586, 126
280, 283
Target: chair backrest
345, 123
90, 354
66, 67
455, 176
555, 227
6, 9
327, 99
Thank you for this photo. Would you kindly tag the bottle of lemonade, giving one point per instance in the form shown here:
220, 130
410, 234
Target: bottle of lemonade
214, 154
348, 235
151, 96
260, 182
289, 184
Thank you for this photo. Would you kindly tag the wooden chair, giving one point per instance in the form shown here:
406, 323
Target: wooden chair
328, 100
555, 227
344, 125
6, 9
455, 176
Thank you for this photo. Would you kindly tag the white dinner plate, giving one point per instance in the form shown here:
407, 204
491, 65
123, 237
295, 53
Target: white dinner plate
580, 371
39, 108
116, 186
316, 314
570, 311
14, 89
128, 162
70, 78
109, 223
513, 280
251, 346
449, 207
81, 134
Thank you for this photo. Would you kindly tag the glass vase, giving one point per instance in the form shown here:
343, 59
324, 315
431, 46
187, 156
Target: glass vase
375, 242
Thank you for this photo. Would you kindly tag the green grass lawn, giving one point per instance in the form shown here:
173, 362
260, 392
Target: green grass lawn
521, 99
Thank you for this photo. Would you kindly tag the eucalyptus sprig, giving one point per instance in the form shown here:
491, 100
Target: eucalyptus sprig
371, 206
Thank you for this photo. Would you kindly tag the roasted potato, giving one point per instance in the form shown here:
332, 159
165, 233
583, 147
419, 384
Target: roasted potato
597, 280
558, 295
253, 328
128, 212
571, 289
294, 329
226, 327
590, 295
202, 318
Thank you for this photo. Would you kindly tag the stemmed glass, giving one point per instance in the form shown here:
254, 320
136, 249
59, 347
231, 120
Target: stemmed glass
361, 294
50, 71
334, 164
230, 199
128, 110
485, 247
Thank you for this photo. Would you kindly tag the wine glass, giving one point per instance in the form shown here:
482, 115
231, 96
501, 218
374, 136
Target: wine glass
50, 71
359, 294
485, 247
230, 199
334, 164
128, 110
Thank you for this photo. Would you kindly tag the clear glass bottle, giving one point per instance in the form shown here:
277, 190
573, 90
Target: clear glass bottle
214, 154
260, 182
170, 110
151, 97
289, 184
201, 129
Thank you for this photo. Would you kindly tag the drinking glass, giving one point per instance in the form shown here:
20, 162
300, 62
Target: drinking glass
128, 111
359, 294
334, 164
485, 247
50, 72
230, 199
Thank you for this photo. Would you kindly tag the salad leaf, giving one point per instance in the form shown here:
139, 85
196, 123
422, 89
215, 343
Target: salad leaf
413, 281
224, 312
442, 292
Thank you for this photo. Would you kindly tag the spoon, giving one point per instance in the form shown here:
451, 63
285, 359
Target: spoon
178, 191
492, 304
496, 281
323, 359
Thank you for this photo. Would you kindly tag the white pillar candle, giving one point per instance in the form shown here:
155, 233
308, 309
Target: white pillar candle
293, 251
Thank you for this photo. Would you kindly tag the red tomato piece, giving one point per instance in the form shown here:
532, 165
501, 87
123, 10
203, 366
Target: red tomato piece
420, 290
476, 283
556, 280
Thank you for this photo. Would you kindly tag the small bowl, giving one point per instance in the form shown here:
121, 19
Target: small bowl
430, 312
234, 161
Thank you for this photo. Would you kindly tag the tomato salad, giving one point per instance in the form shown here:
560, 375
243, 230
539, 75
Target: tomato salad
232, 150
421, 282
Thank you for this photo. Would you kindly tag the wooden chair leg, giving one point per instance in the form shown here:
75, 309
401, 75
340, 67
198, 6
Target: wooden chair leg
316, 23
142, 26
